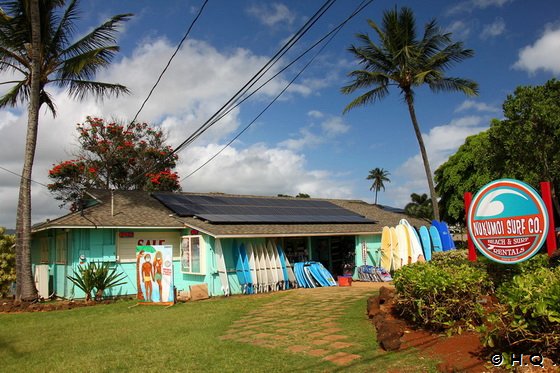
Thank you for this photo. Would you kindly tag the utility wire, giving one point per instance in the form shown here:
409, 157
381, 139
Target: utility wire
332, 35
236, 97
170, 59
285, 48
21, 176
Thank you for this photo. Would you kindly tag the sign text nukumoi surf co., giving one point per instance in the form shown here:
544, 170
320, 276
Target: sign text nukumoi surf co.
507, 221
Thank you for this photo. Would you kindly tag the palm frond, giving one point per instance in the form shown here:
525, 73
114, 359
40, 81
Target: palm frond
80, 89
449, 84
371, 96
100, 37
64, 31
85, 65
19, 93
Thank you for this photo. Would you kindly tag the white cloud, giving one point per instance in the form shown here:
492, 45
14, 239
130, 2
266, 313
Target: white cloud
272, 14
441, 142
470, 5
259, 170
199, 81
477, 106
315, 114
459, 29
329, 130
544, 54
493, 29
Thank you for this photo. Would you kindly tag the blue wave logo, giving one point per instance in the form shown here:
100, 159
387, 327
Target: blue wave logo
493, 205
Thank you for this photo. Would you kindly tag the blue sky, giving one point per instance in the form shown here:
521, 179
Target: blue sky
303, 143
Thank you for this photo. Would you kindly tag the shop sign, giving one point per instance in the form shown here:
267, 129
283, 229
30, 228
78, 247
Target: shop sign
154, 273
507, 221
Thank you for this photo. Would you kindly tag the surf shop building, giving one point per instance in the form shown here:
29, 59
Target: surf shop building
341, 234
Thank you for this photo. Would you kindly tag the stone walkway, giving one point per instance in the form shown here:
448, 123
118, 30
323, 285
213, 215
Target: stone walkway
304, 321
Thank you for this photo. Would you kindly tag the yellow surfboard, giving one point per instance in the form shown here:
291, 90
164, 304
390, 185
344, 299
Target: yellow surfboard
405, 250
396, 262
386, 249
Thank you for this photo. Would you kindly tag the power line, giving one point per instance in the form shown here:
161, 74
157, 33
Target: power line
21, 177
332, 34
256, 77
170, 59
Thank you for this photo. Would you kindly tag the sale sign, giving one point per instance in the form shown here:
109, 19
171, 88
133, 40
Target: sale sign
507, 221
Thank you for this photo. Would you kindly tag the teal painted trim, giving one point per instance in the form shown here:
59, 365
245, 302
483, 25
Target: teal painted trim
373, 257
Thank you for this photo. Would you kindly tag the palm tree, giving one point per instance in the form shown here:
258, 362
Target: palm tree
378, 175
400, 60
420, 206
35, 47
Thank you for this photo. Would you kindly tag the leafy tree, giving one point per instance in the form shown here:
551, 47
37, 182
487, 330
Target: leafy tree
420, 207
524, 146
379, 177
468, 170
113, 156
303, 195
402, 60
35, 46
7, 261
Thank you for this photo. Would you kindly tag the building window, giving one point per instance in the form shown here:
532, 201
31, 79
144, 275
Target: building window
192, 254
44, 249
61, 248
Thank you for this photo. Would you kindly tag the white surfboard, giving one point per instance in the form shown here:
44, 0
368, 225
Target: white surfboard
277, 266
266, 273
252, 265
222, 272
404, 245
260, 263
271, 266
415, 243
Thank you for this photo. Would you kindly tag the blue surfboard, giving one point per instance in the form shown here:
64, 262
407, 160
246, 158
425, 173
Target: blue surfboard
246, 269
446, 241
436, 239
282, 258
426, 243
316, 272
239, 268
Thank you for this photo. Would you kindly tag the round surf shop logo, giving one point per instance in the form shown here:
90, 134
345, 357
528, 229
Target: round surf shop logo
507, 221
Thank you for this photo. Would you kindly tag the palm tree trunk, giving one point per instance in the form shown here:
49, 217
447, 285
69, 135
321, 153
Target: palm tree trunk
25, 285
408, 98
375, 197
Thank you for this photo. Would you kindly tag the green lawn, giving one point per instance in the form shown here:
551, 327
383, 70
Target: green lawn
185, 337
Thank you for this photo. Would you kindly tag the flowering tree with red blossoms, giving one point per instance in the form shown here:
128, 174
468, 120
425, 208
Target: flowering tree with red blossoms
115, 156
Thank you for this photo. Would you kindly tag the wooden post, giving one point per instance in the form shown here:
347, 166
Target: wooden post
472, 251
547, 199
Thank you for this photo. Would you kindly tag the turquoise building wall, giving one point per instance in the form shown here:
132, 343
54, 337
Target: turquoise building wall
373, 251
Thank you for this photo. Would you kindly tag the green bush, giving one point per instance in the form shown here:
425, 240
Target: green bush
98, 277
528, 315
7, 262
439, 297
450, 258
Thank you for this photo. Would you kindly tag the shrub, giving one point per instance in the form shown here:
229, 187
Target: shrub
450, 258
528, 316
98, 277
440, 297
7, 262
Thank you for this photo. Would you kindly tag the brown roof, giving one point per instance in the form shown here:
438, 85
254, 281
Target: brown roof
137, 209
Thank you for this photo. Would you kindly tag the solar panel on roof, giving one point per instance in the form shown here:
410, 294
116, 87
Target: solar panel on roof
229, 209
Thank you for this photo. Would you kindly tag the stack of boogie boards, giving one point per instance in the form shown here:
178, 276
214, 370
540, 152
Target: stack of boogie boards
312, 275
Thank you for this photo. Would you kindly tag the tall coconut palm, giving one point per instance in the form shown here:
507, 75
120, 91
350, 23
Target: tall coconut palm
399, 59
379, 176
36, 48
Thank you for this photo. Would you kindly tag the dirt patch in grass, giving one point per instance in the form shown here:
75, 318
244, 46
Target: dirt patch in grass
10, 306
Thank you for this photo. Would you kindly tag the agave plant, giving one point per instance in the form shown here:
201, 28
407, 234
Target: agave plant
96, 276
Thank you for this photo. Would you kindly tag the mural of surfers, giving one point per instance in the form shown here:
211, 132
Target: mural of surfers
155, 273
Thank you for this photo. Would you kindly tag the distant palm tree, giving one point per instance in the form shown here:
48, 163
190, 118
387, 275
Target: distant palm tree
403, 61
379, 176
420, 206
35, 46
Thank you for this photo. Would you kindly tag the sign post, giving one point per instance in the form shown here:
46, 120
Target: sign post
507, 221
470, 245
547, 198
